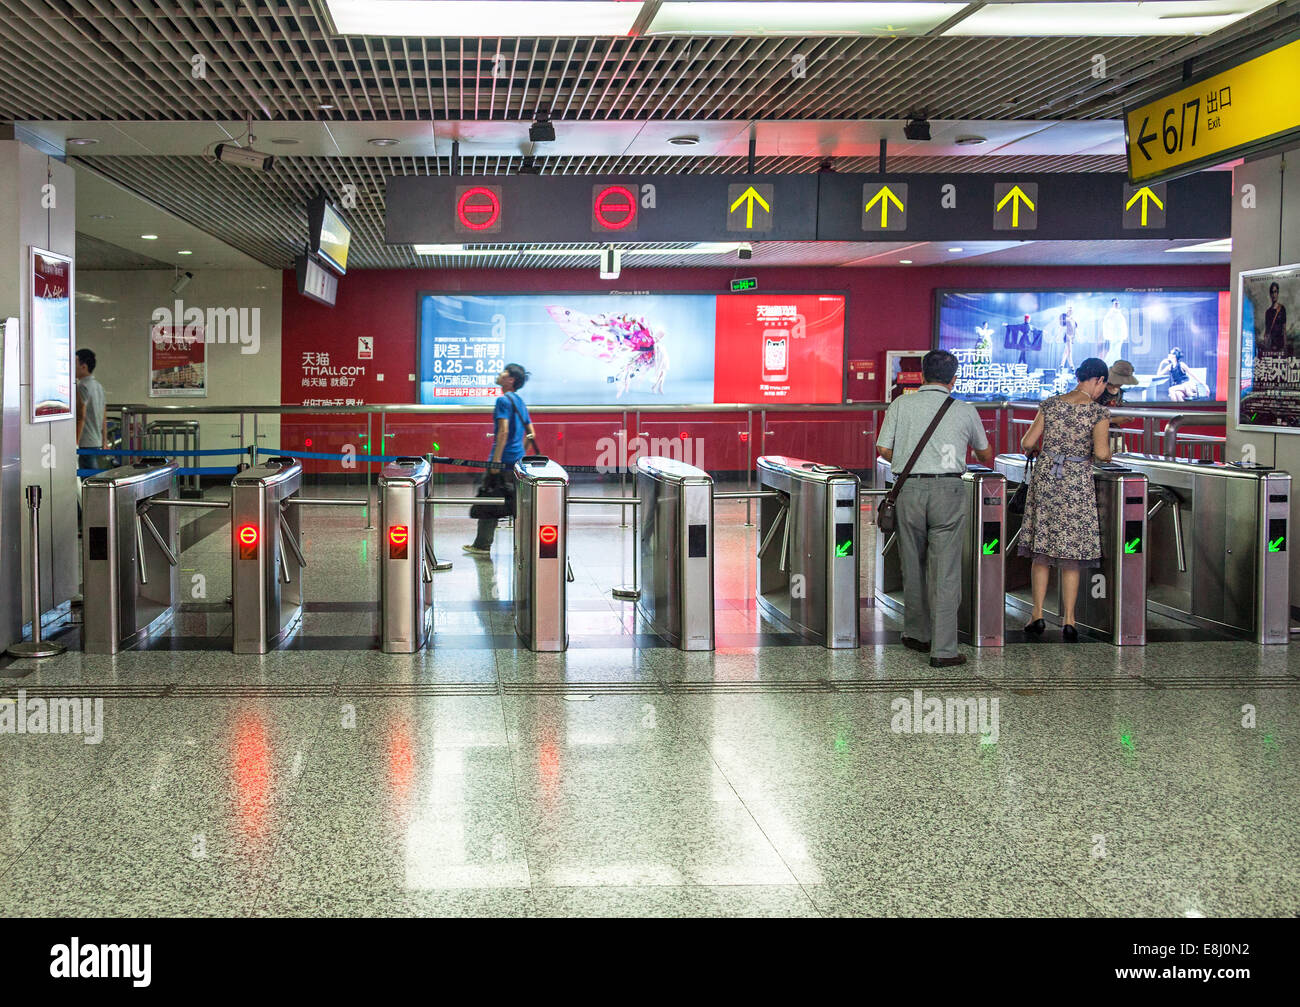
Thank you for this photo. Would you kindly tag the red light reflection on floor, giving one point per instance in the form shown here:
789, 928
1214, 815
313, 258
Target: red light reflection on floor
252, 775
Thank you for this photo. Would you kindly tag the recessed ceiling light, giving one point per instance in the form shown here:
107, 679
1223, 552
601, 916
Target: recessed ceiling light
459, 18
956, 249
383, 141
289, 141
1160, 18
689, 140
184, 251
80, 141
971, 141
904, 262
149, 237
325, 108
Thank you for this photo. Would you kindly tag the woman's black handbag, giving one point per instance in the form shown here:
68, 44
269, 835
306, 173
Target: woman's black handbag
494, 485
1016, 505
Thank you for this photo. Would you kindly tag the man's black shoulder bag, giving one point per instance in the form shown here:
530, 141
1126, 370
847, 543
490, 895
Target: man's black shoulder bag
887, 511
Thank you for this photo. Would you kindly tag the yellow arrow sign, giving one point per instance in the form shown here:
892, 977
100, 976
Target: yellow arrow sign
1146, 195
750, 196
884, 197
1015, 196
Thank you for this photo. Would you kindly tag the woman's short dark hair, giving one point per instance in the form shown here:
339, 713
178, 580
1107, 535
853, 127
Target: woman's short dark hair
87, 357
517, 372
1273, 286
938, 367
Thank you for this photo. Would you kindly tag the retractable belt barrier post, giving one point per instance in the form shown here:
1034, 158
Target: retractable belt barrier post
807, 562
981, 617
541, 557
1112, 599
406, 561
676, 543
266, 556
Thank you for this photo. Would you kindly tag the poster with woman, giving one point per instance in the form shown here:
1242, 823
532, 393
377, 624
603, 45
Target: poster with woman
50, 346
176, 361
1268, 396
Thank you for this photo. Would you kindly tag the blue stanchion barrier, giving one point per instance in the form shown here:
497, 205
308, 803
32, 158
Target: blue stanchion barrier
159, 453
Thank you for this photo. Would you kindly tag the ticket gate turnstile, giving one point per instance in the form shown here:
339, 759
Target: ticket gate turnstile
541, 559
807, 563
406, 561
1218, 545
981, 617
265, 555
129, 551
1114, 606
676, 543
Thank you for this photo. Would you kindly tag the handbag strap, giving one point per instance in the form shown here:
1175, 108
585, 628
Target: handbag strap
920, 445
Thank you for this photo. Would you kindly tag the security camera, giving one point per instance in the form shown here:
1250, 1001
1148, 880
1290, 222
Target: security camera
243, 157
917, 129
542, 131
182, 281
745, 250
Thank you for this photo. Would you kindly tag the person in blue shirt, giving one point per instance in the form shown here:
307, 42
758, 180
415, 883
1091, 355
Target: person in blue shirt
513, 426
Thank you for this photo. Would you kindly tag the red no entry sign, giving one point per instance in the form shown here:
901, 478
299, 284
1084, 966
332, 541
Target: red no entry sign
613, 208
478, 207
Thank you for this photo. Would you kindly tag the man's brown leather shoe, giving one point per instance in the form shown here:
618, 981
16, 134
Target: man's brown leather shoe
947, 662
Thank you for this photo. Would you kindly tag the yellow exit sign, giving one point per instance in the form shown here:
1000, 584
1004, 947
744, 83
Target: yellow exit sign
1249, 107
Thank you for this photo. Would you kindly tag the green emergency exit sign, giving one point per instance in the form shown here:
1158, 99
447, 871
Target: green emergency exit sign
748, 283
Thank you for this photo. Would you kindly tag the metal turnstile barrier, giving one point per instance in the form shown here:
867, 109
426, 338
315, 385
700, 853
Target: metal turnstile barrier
129, 550
1112, 598
676, 544
1218, 545
981, 617
541, 559
177, 437
807, 561
406, 561
266, 555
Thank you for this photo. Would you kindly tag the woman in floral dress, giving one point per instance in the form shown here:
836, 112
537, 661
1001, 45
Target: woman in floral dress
1060, 527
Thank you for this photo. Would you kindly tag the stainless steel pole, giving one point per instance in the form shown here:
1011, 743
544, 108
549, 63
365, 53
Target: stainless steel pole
36, 647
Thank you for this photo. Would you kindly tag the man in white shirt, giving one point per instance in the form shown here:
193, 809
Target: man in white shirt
92, 421
932, 504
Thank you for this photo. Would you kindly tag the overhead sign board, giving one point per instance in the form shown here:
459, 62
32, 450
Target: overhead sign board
1249, 108
571, 208
827, 207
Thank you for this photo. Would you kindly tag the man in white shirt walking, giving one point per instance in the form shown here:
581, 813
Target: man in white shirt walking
92, 421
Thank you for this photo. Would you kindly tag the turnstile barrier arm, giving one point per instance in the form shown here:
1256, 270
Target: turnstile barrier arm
292, 543
776, 523
785, 545
1166, 499
889, 543
143, 519
139, 550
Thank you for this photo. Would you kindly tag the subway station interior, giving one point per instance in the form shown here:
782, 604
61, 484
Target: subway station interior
452, 473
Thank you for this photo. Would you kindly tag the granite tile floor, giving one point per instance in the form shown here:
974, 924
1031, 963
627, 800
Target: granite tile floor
623, 777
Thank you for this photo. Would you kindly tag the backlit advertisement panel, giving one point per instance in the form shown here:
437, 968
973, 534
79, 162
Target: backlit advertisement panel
634, 349
1026, 344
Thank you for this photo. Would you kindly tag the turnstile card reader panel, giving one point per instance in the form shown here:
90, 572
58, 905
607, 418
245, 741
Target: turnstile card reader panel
266, 555
129, 555
405, 556
541, 557
807, 559
676, 543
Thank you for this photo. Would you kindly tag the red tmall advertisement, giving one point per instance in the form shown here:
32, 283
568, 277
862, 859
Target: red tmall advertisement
779, 348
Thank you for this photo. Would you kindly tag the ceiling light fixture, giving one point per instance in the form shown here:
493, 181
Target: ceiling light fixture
904, 262
956, 249
285, 141
101, 216
149, 237
325, 107
971, 141
184, 251
780, 17
686, 140
483, 18
383, 141
1105, 19
80, 141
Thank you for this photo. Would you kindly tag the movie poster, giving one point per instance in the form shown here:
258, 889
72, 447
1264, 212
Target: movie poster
176, 361
1269, 391
50, 327
1025, 345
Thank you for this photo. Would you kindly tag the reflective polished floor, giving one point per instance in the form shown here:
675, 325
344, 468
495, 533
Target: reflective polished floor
624, 777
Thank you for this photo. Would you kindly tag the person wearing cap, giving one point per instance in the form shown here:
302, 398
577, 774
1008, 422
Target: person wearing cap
1121, 374
1061, 528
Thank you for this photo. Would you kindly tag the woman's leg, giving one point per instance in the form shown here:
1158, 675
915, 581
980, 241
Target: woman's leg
1038, 574
1069, 594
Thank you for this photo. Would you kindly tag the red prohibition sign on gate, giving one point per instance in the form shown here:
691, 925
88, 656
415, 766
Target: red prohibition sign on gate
614, 207
478, 208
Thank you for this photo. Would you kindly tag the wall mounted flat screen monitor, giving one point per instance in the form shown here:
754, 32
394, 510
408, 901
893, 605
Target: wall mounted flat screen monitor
329, 236
1024, 345
634, 349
